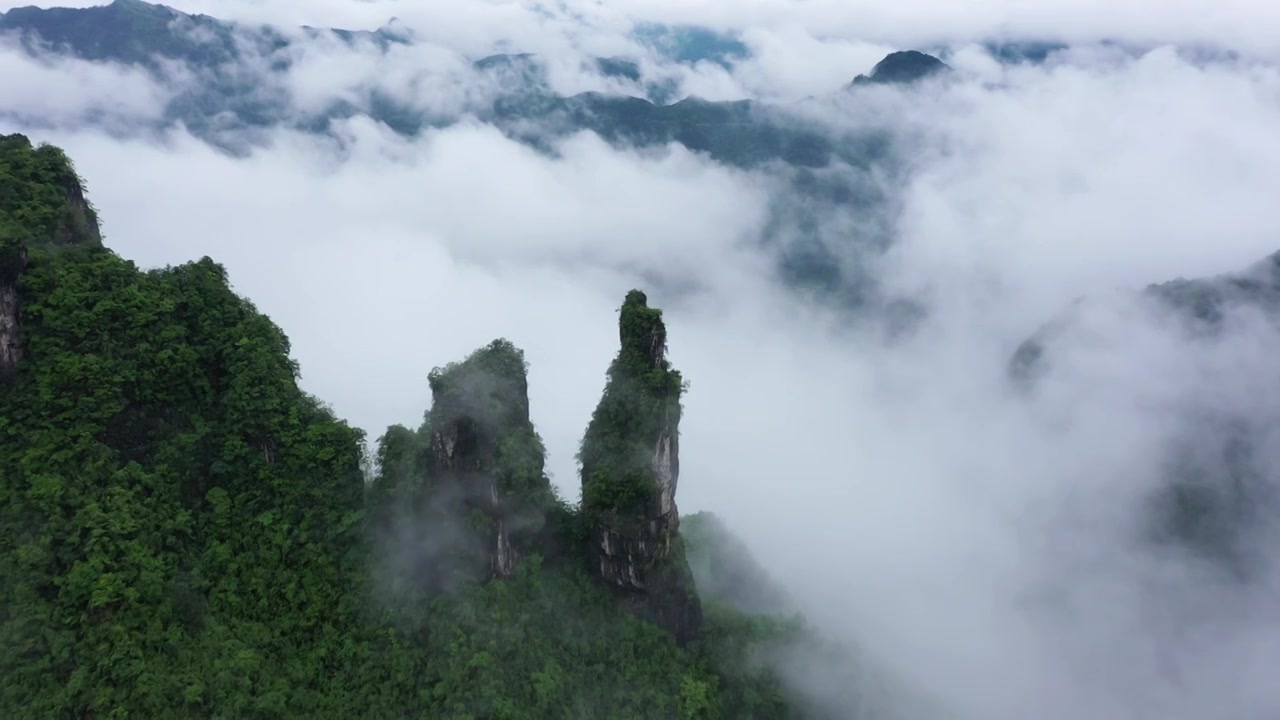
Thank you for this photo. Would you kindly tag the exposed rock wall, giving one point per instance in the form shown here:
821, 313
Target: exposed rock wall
10, 343
13, 260
903, 67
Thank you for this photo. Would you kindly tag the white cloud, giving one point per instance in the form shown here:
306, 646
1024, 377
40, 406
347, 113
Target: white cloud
56, 89
423, 76
788, 63
1079, 180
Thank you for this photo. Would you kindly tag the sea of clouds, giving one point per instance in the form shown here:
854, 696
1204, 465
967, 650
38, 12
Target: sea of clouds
983, 546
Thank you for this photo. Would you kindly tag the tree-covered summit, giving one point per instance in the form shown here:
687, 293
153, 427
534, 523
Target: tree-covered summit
903, 68
42, 199
42, 210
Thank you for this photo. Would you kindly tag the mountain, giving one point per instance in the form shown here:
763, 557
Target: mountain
126, 31
185, 533
901, 68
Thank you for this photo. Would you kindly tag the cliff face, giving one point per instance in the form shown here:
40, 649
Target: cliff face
630, 470
484, 457
13, 260
10, 343
42, 206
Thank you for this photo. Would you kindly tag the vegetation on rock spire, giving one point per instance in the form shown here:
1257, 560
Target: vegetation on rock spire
641, 401
630, 468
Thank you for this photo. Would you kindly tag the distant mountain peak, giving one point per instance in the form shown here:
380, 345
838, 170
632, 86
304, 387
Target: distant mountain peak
396, 29
902, 67
143, 7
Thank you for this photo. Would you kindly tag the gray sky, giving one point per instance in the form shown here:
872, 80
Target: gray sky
980, 545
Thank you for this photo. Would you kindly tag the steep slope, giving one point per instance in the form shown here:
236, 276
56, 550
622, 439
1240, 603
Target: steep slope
159, 467
46, 210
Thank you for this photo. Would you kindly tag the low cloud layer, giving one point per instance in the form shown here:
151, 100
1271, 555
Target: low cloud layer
985, 548
58, 90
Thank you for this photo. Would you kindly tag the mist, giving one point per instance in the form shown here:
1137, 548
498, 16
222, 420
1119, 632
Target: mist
984, 548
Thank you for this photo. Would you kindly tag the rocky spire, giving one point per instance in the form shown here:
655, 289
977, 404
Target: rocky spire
630, 469
484, 454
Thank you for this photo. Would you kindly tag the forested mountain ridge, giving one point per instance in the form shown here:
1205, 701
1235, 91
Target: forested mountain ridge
228, 64
186, 533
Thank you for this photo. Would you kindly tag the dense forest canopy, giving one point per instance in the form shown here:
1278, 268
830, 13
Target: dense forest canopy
186, 533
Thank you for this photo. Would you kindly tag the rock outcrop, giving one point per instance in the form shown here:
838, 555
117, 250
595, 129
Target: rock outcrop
630, 469
484, 459
10, 342
42, 207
